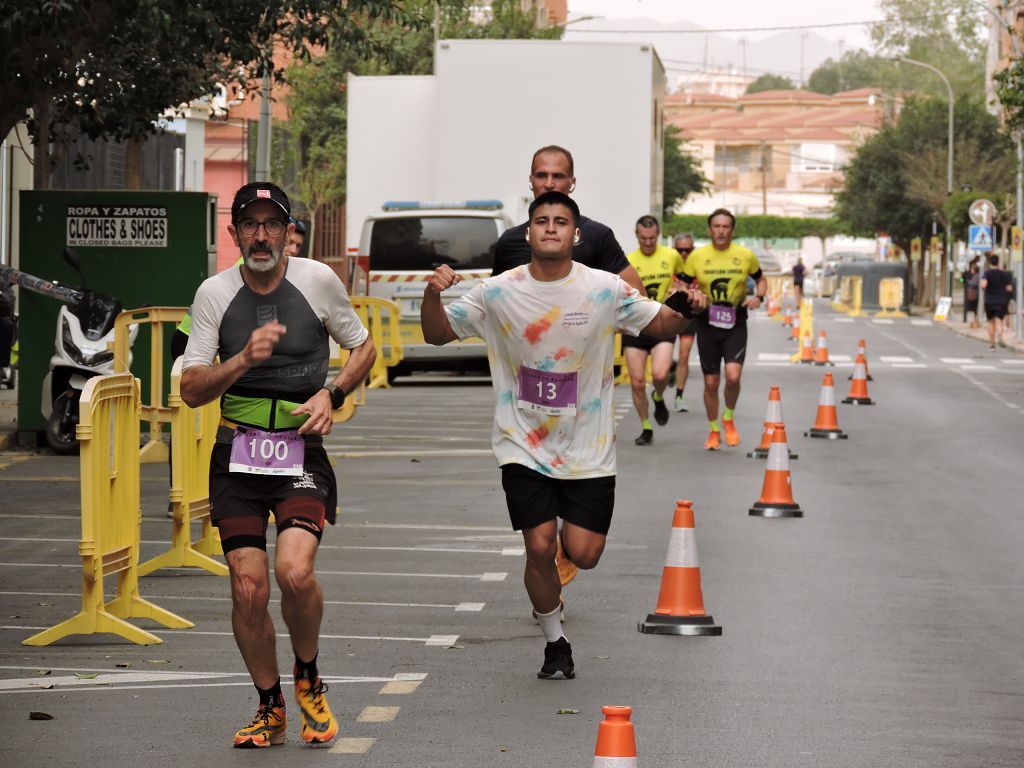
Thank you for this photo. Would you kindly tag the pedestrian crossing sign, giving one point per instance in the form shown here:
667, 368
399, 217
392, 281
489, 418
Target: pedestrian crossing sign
980, 237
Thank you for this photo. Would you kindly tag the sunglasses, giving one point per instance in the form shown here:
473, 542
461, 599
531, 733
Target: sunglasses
685, 250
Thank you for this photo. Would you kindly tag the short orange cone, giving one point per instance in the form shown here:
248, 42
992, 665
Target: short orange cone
771, 418
777, 492
680, 609
859, 386
821, 352
863, 350
787, 316
616, 743
806, 349
825, 422
795, 335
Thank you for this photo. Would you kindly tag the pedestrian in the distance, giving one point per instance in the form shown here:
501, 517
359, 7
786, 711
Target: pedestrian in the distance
998, 286
799, 271
971, 279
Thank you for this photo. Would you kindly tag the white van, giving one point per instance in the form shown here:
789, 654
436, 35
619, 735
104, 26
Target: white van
400, 248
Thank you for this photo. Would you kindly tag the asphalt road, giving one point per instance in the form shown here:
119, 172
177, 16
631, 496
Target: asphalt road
881, 629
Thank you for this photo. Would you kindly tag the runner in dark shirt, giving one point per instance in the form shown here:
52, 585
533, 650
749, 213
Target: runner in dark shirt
998, 287
552, 170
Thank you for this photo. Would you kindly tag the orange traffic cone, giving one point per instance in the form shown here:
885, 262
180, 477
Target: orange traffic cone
771, 418
795, 335
616, 744
773, 305
806, 349
680, 609
863, 350
859, 386
825, 422
777, 492
787, 316
821, 352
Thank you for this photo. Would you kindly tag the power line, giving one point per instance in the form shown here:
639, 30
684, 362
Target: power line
577, 30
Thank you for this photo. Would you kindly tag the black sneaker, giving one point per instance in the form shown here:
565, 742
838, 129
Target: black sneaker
557, 661
646, 437
660, 412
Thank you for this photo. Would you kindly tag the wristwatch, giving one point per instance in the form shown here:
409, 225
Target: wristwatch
337, 396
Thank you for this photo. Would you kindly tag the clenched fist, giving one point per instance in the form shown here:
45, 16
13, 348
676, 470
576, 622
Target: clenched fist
444, 277
261, 343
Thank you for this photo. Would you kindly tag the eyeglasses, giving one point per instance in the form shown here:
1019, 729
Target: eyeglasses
684, 250
273, 227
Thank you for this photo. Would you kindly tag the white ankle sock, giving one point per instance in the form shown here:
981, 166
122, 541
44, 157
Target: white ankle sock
551, 624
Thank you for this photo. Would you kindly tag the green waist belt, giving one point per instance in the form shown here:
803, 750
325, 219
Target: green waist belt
262, 412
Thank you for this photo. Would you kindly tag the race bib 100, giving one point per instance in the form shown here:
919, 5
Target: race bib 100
258, 452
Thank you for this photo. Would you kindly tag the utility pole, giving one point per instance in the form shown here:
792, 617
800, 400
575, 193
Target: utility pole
263, 132
764, 179
803, 39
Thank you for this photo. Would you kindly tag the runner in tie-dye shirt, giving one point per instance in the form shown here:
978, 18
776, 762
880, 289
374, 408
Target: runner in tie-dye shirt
550, 328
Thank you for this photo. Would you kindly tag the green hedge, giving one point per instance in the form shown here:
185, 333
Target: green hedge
767, 227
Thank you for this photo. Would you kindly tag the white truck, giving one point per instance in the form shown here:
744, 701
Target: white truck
449, 151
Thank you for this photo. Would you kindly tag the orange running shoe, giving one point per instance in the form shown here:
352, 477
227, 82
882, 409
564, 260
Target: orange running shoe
266, 730
714, 441
318, 724
732, 437
567, 569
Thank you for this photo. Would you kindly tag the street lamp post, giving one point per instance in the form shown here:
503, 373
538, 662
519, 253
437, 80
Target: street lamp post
949, 145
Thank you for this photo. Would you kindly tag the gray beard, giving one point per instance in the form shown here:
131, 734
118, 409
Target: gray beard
264, 266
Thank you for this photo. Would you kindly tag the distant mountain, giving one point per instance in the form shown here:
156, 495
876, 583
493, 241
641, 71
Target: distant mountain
691, 51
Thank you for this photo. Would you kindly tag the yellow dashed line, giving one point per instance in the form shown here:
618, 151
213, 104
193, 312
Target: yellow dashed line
401, 686
352, 746
378, 715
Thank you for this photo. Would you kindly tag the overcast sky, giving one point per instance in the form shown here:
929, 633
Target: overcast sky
744, 13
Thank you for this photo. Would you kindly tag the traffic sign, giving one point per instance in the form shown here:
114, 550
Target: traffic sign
982, 211
980, 238
915, 249
1016, 244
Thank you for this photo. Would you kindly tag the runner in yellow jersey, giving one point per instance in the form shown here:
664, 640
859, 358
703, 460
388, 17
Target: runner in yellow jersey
721, 270
657, 265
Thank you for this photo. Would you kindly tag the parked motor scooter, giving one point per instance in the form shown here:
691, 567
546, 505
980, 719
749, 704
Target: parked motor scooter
85, 327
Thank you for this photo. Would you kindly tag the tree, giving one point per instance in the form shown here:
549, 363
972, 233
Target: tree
1010, 89
110, 68
683, 174
771, 82
310, 153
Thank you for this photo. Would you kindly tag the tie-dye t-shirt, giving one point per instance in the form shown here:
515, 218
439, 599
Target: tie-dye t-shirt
557, 328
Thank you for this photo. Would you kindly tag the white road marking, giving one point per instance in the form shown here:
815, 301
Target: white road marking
957, 360
505, 551
989, 391
427, 527
840, 358
896, 359
921, 323
513, 551
410, 454
772, 356
194, 598
909, 365
474, 576
442, 640
1012, 362
920, 353
494, 577
377, 714
773, 365
882, 320
352, 746
843, 320
977, 367
432, 640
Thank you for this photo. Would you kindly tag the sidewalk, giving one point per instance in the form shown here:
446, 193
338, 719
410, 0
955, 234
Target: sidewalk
955, 323
8, 418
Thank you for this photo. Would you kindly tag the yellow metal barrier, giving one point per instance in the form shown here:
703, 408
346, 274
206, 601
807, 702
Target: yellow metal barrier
381, 317
155, 412
890, 297
806, 327
193, 433
844, 294
108, 430
857, 291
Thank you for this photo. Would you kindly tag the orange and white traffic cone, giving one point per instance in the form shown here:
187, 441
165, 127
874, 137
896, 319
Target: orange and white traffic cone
825, 422
680, 609
616, 742
859, 385
773, 305
795, 334
777, 492
787, 316
806, 349
821, 352
863, 350
771, 418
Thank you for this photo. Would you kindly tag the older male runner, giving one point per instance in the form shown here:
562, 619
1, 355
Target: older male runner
549, 328
721, 270
269, 321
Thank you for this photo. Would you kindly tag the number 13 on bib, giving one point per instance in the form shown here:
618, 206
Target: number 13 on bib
547, 391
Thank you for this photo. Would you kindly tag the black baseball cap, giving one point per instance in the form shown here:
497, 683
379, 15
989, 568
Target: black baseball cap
260, 190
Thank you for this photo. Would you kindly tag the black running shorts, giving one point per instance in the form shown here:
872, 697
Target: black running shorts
992, 312
240, 504
534, 498
691, 329
646, 343
717, 344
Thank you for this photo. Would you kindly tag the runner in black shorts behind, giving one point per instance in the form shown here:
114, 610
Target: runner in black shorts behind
268, 320
684, 247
